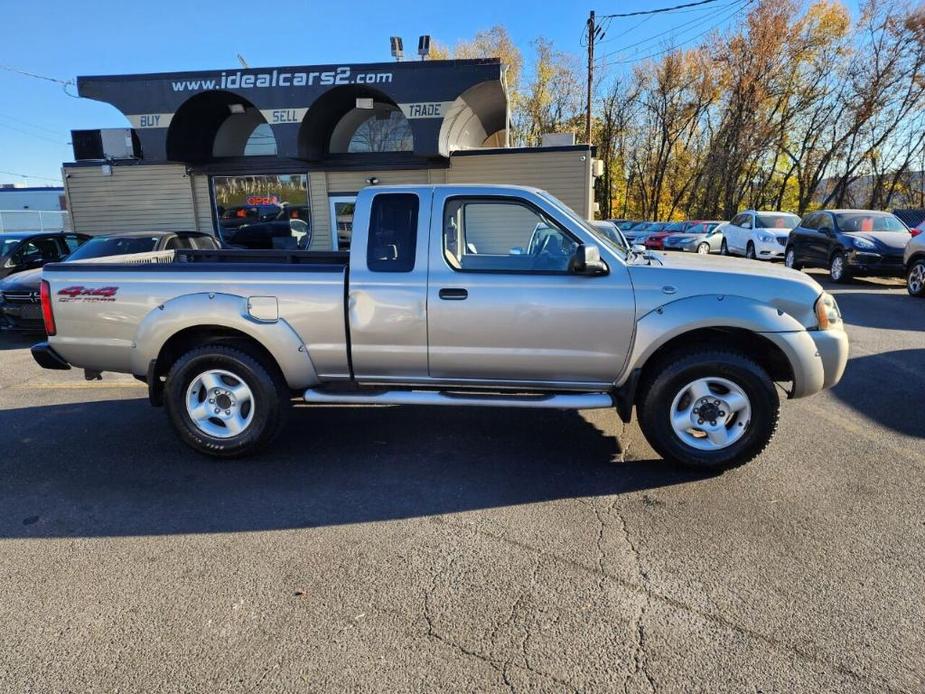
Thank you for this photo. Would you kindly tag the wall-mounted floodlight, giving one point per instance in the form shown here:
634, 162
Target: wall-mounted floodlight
398, 50
424, 46
236, 108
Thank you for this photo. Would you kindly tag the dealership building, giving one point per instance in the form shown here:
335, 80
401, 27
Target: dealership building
208, 148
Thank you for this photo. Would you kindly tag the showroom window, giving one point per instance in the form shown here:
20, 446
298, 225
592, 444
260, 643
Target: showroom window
382, 128
263, 212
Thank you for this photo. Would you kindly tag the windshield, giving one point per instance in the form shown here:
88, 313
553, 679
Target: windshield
674, 227
7, 246
776, 220
619, 247
114, 245
868, 221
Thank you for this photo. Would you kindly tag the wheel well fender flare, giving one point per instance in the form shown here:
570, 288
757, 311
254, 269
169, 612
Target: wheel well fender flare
222, 311
704, 312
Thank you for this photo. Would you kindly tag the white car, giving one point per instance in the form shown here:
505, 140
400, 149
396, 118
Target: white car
758, 235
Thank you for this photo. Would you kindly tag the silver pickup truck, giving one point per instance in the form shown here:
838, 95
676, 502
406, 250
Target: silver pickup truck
455, 295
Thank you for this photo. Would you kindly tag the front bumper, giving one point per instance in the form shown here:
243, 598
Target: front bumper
21, 316
817, 358
873, 263
770, 250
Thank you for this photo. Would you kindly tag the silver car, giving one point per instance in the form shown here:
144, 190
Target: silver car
914, 260
703, 238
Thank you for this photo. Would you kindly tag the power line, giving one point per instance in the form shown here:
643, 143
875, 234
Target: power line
22, 175
35, 135
674, 30
29, 124
683, 43
25, 73
658, 11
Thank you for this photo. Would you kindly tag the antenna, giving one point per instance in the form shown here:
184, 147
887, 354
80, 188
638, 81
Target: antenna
243, 62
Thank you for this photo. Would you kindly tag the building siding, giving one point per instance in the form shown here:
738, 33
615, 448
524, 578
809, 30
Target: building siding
133, 198
202, 203
561, 173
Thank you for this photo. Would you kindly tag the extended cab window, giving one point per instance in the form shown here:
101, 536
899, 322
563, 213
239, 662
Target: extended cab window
503, 236
393, 231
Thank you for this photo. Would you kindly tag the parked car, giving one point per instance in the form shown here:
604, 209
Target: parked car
758, 235
443, 306
849, 243
656, 240
703, 238
639, 234
19, 293
288, 228
27, 250
914, 264
918, 228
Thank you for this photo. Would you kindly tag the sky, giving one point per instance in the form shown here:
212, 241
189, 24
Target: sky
62, 39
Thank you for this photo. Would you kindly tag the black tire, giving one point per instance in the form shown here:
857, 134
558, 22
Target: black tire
750, 251
271, 399
841, 276
790, 259
723, 248
914, 283
703, 249
671, 375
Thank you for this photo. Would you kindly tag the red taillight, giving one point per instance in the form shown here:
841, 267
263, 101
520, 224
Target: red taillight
47, 314
915, 231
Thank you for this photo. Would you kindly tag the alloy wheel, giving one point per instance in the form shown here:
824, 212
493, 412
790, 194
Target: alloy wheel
710, 413
220, 404
916, 279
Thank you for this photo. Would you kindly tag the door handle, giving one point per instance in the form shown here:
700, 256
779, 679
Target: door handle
453, 294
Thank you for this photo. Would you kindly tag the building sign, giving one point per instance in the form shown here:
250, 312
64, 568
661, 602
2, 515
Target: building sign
150, 120
281, 78
425, 109
279, 116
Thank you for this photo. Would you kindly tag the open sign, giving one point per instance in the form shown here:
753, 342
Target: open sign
262, 200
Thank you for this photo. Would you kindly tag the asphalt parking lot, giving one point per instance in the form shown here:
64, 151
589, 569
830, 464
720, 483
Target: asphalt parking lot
406, 549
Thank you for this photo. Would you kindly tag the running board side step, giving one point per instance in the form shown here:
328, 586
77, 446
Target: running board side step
560, 401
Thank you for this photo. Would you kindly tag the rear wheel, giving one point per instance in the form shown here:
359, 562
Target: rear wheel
790, 259
750, 251
703, 249
225, 401
915, 278
709, 410
724, 248
837, 270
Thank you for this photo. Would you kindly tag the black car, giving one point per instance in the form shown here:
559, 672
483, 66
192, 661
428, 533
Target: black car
27, 250
19, 294
849, 243
288, 228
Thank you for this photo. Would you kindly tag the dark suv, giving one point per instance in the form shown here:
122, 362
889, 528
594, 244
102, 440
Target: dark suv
849, 243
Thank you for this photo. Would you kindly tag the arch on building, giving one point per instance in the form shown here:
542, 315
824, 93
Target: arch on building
477, 118
218, 124
337, 124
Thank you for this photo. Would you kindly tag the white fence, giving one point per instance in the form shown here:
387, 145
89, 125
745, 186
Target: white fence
34, 220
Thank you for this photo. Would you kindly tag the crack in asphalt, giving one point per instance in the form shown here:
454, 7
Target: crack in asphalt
648, 592
503, 669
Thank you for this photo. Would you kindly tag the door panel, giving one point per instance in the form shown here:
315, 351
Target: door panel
503, 324
386, 304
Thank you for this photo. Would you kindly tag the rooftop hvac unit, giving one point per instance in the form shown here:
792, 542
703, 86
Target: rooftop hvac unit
105, 144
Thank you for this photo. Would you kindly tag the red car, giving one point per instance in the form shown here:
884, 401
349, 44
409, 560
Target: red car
656, 241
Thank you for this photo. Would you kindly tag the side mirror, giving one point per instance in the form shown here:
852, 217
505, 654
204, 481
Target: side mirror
587, 261
638, 248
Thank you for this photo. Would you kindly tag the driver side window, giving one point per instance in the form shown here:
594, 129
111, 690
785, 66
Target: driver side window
497, 235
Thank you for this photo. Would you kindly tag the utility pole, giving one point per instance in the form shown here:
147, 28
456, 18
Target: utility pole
591, 32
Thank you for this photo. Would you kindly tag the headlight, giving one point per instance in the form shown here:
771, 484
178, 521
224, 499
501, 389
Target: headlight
827, 313
863, 244
765, 238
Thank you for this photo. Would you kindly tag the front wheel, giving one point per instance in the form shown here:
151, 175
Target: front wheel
750, 251
724, 248
790, 259
915, 278
224, 401
837, 270
703, 249
709, 410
